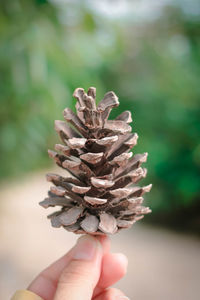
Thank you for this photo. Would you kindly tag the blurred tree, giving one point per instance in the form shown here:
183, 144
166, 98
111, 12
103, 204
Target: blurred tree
44, 56
158, 78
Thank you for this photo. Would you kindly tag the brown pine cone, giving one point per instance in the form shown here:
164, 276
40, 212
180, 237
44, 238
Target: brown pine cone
100, 196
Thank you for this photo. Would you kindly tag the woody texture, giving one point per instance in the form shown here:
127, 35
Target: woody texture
99, 194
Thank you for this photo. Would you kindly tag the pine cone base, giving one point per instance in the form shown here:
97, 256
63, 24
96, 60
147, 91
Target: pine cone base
100, 196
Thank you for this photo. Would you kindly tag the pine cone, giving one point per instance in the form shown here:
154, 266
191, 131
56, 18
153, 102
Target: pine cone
97, 198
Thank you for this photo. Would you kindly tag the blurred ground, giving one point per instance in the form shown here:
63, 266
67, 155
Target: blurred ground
162, 264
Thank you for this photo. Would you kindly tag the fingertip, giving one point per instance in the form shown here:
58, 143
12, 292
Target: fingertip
122, 262
114, 267
87, 248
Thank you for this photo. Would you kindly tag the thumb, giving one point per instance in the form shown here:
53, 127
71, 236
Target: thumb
82, 273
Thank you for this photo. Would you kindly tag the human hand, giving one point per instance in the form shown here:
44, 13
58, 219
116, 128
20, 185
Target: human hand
86, 272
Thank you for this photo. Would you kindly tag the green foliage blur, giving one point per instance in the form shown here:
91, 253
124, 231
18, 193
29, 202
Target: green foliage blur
48, 48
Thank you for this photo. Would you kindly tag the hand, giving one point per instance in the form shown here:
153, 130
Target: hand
86, 272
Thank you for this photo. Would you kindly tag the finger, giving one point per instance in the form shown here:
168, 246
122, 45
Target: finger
114, 267
111, 294
45, 283
82, 273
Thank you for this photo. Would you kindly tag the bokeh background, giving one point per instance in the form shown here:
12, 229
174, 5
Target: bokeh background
148, 52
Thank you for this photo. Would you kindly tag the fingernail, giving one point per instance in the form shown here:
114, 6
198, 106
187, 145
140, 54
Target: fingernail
86, 248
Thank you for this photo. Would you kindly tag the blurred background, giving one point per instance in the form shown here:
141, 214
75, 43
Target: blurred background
148, 52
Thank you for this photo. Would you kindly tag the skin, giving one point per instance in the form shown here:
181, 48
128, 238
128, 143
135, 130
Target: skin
86, 272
